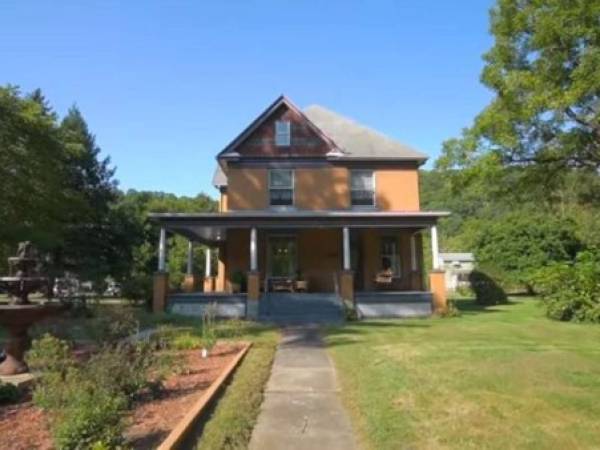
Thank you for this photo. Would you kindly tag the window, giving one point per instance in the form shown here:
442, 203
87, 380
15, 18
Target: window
281, 187
390, 257
283, 133
362, 188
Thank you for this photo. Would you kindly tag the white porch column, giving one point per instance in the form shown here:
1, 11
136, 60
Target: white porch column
413, 253
162, 250
190, 258
253, 251
346, 236
435, 255
207, 262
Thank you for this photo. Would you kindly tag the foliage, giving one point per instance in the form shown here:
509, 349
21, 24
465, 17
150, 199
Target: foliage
451, 310
50, 354
487, 291
92, 418
515, 245
87, 399
186, 341
123, 370
231, 424
209, 331
572, 291
112, 325
543, 68
9, 393
238, 277
350, 312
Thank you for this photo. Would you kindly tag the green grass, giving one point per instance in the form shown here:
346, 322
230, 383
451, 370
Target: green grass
234, 417
494, 378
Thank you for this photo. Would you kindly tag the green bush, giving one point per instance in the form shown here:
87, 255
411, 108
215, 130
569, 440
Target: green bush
487, 291
123, 370
572, 291
92, 418
112, 325
186, 341
9, 393
87, 399
209, 331
50, 354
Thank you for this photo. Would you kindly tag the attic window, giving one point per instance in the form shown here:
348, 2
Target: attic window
283, 133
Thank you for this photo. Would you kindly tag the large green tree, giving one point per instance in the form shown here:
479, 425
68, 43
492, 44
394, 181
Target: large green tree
544, 71
33, 194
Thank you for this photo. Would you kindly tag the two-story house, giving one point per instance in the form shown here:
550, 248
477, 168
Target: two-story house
312, 205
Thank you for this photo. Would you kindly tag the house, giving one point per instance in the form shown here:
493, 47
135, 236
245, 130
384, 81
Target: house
310, 196
458, 267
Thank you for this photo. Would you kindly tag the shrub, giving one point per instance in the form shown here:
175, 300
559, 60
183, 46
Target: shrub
50, 354
186, 341
572, 291
350, 312
93, 418
123, 370
487, 291
209, 332
113, 325
451, 311
9, 393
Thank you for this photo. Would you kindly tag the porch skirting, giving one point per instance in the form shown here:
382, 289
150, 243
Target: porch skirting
228, 306
372, 305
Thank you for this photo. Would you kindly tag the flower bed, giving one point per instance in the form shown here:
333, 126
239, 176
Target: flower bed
151, 418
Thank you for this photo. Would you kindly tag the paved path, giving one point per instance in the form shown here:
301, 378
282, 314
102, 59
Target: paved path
301, 408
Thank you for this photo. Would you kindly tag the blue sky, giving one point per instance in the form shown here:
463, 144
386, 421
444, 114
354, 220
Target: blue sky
166, 85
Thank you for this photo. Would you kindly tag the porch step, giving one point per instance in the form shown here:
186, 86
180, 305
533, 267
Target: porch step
300, 308
393, 304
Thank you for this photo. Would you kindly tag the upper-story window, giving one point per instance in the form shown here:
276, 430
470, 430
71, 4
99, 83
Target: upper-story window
281, 187
283, 133
362, 188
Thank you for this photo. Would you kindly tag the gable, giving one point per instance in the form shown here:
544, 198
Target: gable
258, 140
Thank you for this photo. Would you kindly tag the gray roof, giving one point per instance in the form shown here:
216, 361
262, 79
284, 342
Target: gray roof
219, 177
357, 141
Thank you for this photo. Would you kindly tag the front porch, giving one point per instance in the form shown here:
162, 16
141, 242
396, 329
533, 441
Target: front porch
292, 261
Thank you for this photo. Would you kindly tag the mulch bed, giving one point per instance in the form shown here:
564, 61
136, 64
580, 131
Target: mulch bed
23, 426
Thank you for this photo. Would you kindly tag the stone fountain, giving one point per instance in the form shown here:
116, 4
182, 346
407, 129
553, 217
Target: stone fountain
20, 313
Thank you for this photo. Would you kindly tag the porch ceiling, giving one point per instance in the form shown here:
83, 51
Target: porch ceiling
212, 227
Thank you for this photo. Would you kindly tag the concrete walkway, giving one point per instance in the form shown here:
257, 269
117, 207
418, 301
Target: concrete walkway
301, 409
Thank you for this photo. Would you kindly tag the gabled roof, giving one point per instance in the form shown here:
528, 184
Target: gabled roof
357, 141
229, 151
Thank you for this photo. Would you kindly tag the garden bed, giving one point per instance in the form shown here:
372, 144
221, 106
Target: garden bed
25, 426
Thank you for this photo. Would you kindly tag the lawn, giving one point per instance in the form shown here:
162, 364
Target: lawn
497, 377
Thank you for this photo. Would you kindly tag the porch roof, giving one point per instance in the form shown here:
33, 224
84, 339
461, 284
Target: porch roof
212, 227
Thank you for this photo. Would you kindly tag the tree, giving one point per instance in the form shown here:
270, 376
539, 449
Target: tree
544, 69
33, 195
88, 248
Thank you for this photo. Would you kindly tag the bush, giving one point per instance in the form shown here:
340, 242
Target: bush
87, 401
572, 291
113, 325
123, 370
487, 291
9, 393
50, 354
209, 331
93, 418
186, 341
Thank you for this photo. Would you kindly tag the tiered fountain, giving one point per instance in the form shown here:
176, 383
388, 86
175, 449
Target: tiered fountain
20, 313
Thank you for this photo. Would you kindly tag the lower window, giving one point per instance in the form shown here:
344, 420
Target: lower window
390, 255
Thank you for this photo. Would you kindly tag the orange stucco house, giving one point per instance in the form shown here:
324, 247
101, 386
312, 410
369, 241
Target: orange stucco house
314, 208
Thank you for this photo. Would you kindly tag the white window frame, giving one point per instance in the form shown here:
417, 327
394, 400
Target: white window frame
293, 189
395, 259
283, 133
373, 178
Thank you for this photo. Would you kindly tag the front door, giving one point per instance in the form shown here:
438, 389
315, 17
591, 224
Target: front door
283, 257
